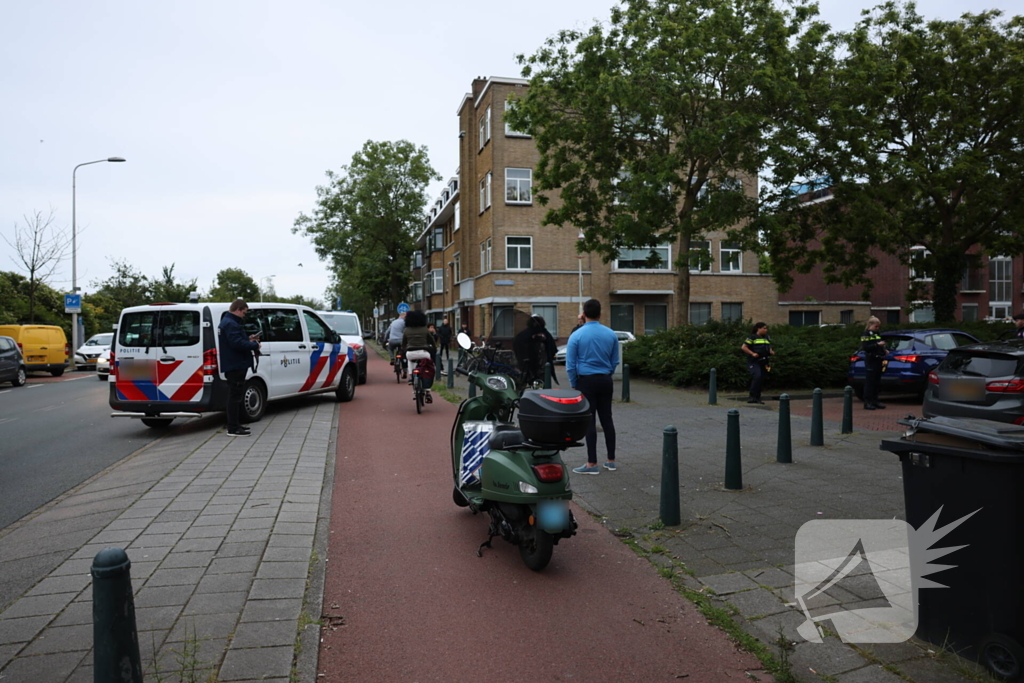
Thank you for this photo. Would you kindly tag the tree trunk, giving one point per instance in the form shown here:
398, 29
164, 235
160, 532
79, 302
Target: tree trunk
949, 267
683, 282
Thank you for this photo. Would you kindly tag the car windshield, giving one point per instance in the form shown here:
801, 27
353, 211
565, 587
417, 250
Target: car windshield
898, 343
342, 324
100, 340
980, 364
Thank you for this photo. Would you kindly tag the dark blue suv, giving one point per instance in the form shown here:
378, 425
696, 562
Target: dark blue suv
912, 354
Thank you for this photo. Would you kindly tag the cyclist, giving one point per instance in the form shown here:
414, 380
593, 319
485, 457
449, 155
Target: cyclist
395, 337
416, 336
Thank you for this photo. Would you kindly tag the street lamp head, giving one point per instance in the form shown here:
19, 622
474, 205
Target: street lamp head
115, 159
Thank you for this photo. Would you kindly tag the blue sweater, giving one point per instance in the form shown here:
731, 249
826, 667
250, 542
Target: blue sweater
592, 350
235, 347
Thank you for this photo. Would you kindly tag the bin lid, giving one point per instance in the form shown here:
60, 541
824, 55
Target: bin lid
984, 438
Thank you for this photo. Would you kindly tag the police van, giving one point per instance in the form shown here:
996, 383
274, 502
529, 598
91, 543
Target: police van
164, 360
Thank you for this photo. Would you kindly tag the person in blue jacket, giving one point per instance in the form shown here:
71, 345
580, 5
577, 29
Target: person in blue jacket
236, 356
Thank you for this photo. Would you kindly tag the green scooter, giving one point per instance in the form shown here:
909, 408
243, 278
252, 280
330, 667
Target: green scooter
515, 473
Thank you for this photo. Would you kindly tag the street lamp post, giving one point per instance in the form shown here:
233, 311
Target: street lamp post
579, 258
74, 253
268, 277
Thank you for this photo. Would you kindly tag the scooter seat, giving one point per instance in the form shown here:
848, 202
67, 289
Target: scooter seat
505, 438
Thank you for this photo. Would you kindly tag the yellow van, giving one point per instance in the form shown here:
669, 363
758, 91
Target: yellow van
44, 347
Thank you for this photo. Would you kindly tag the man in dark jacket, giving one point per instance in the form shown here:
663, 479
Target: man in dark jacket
1018, 320
236, 356
444, 338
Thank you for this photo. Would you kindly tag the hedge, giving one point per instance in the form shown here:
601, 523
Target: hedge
806, 357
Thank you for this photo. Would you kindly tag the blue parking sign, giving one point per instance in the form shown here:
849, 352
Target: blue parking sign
72, 303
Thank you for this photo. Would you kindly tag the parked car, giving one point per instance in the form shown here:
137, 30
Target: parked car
103, 366
624, 337
43, 347
912, 354
979, 381
88, 352
347, 325
12, 365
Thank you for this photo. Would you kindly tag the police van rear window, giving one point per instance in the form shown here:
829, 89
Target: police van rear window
159, 328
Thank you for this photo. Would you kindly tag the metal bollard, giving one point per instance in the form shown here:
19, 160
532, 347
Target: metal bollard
548, 369
713, 388
847, 427
669, 511
451, 373
784, 450
625, 383
733, 467
115, 638
817, 425
472, 388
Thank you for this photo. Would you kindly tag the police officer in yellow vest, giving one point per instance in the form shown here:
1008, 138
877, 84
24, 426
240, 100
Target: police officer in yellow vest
874, 354
758, 347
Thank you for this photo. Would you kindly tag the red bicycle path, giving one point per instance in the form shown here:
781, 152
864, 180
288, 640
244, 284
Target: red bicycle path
407, 599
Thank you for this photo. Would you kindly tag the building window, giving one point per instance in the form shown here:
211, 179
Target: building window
641, 259
485, 256
458, 217
969, 313
892, 317
1000, 287
655, 318
804, 318
730, 257
509, 106
974, 278
419, 259
485, 128
845, 317
438, 240
622, 317
700, 312
438, 276
732, 312
550, 314
517, 186
417, 291
518, 253
924, 314
485, 192
504, 321
920, 267
458, 267
700, 256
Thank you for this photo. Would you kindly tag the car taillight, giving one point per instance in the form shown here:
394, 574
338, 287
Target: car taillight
210, 362
1009, 386
854, 359
20, 347
933, 378
112, 363
67, 349
550, 473
907, 359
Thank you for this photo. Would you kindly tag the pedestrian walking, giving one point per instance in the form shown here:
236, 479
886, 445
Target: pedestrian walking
1018, 320
444, 340
758, 347
874, 350
235, 359
590, 359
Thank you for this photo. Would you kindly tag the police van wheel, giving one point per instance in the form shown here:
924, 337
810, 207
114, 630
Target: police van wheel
254, 402
347, 388
157, 422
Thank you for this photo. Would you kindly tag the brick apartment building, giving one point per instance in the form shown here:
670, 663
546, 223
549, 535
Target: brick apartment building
990, 289
483, 247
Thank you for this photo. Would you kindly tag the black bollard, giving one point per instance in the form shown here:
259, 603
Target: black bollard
115, 638
713, 388
548, 369
625, 383
451, 374
817, 424
670, 477
733, 467
847, 411
784, 450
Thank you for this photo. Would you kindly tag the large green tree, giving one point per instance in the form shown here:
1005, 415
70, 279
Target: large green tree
168, 288
233, 283
366, 217
127, 285
653, 126
918, 128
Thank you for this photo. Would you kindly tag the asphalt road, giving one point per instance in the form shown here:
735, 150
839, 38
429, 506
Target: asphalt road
56, 432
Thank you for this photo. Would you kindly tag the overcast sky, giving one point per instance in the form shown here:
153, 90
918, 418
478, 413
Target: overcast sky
228, 114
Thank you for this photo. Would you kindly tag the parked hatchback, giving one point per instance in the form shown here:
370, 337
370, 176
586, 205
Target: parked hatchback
983, 381
12, 365
912, 354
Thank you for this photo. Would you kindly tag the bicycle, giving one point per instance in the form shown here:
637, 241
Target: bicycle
397, 361
420, 382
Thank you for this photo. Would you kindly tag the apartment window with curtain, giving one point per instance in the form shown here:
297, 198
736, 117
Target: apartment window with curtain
732, 311
485, 256
622, 317
518, 253
655, 318
517, 185
550, 314
700, 312
730, 257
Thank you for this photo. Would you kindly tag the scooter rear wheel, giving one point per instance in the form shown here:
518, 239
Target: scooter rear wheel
536, 549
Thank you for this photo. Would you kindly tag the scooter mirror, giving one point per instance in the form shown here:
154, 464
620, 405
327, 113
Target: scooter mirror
464, 341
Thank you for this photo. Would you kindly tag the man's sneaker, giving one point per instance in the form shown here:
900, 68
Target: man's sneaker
239, 432
610, 465
587, 469
868, 406
880, 406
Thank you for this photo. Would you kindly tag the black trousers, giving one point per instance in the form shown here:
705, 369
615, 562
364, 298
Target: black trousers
443, 350
598, 390
872, 380
236, 392
756, 378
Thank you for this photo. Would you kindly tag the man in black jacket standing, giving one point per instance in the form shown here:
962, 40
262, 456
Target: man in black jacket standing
236, 356
444, 337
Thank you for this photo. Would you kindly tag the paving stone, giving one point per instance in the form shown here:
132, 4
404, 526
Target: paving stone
61, 639
75, 613
225, 583
249, 548
38, 605
873, 673
283, 570
155, 618
213, 603
290, 541
160, 596
767, 629
249, 523
189, 576
757, 603
928, 670
724, 584
233, 565
277, 588
73, 583
22, 630
218, 531
773, 577
7, 653
256, 663
247, 535
155, 541
118, 537
214, 520
84, 673
295, 528
203, 627
69, 567
177, 560
49, 667
265, 633
287, 609
828, 658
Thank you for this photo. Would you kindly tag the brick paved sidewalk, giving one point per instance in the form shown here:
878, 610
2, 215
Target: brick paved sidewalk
220, 532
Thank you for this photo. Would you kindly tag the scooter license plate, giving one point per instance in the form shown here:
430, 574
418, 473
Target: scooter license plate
553, 515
